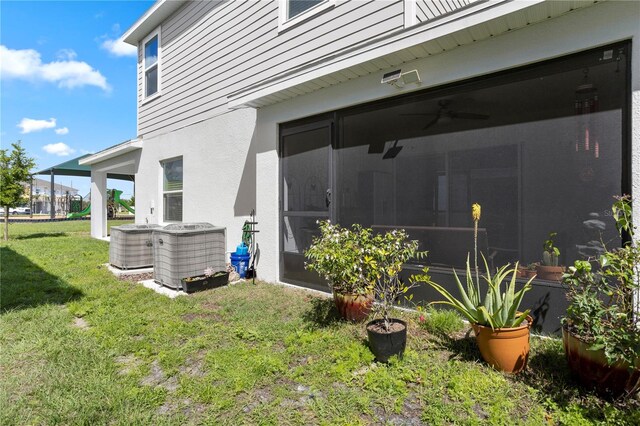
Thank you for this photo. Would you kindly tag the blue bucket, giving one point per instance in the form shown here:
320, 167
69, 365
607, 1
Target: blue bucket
241, 263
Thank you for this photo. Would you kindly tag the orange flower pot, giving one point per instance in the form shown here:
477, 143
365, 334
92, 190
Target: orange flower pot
353, 307
505, 349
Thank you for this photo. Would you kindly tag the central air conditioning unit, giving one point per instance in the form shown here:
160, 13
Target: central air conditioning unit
130, 246
185, 250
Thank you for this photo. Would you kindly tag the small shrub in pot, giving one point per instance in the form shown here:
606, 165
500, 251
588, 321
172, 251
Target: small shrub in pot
601, 331
388, 335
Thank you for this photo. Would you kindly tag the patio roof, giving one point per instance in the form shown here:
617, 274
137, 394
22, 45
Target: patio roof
74, 168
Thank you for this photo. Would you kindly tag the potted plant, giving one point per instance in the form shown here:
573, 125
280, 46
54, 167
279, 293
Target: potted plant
527, 271
548, 269
387, 335
502, 331
209, 279
601, 331
338, 255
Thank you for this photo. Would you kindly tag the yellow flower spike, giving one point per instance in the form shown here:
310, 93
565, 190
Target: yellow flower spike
475, 212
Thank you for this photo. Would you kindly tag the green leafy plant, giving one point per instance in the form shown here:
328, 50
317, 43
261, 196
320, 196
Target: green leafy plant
15, 171
496, 309
344, 257
550, 253
601, 295
389, 251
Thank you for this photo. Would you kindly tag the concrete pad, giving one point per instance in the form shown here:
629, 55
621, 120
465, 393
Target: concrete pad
120, 272
165, 291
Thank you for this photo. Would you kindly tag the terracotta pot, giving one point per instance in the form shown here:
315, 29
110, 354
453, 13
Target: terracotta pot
385, 345
550, 273
353, 307
525, 273
592, 370
505, 349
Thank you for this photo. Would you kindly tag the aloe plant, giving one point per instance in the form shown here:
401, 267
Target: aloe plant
496, 309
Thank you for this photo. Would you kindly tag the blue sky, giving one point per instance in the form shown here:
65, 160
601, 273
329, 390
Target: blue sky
68, 87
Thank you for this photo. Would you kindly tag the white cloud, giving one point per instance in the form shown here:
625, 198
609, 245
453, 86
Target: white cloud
61, 149
28, 125
27, 64
118, 47
66, 54
61, 131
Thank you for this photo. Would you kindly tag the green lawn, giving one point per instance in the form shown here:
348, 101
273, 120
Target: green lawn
78, 346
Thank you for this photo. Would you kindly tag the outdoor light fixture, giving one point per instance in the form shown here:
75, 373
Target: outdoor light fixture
400, 79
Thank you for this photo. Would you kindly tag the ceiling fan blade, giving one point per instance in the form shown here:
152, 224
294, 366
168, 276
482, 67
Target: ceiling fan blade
432, 122
469, 115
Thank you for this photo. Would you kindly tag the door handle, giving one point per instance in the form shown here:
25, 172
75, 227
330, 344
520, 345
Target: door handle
327, 198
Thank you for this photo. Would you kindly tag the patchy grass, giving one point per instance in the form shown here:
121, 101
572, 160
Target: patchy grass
441, 321
82, 347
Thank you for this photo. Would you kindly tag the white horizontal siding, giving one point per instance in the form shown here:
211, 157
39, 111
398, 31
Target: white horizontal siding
211, 49
430, 9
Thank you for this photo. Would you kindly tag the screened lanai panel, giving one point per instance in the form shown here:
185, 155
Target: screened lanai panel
541, 149
305, 153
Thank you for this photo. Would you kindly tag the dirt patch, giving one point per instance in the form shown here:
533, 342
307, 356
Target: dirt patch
134, 278
190, 409
157, 377
211, 306
80, 323
128, 363
480, 412
193, 317
300, 361
194, 366
258, 397
307, 395
404, 419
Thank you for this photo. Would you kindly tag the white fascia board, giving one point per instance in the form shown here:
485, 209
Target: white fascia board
111, 152
152, 18
475, 14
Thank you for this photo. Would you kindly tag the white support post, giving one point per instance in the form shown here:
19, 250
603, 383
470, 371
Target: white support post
99, 204
410, 13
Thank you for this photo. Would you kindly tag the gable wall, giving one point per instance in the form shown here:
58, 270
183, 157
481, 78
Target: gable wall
213, 48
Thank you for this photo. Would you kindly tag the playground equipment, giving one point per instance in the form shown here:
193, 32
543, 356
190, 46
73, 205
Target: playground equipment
113, 201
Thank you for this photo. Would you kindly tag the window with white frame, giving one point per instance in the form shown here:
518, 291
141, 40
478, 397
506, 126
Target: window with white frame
293, 12
172, 190
151, 64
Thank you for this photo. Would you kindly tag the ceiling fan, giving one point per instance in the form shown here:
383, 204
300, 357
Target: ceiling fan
444, 114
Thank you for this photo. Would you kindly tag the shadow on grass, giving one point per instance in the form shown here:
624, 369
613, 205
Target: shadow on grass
322, 313
40, 235
461, 346
548, 372
25, 285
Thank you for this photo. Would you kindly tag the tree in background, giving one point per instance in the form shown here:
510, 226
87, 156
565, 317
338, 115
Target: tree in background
15, 170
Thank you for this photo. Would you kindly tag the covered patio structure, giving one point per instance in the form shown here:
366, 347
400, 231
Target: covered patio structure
73, 168
117, 160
